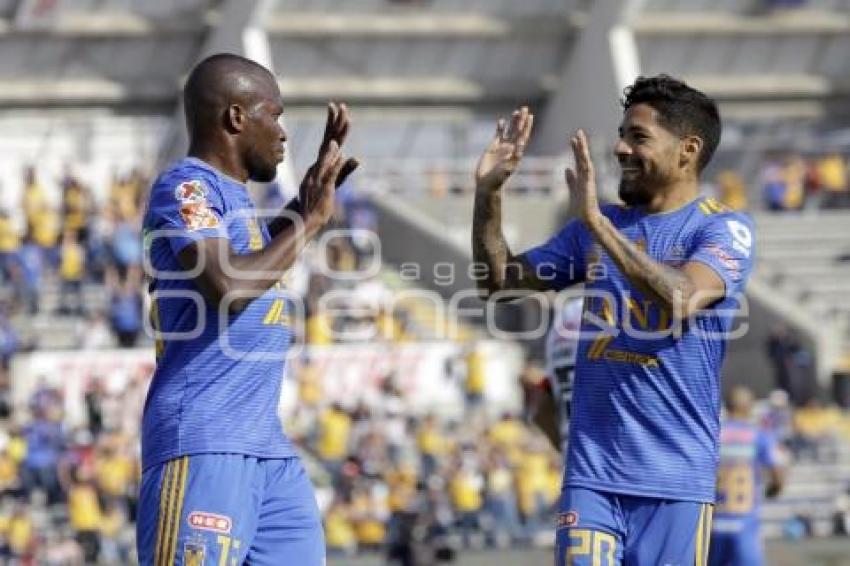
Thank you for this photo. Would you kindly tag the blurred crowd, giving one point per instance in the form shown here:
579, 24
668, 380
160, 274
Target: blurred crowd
788, 181
413, 487
420, 487
68, 494
398, 483
55, 245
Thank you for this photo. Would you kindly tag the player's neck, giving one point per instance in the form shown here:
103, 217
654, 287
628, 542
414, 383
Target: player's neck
673, 197
220, 159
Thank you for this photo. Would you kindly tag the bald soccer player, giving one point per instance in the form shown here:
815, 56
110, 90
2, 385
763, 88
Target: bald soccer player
221, 483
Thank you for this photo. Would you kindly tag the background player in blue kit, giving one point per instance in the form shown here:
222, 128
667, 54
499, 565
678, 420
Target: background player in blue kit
221, 483
747, 453
663, 276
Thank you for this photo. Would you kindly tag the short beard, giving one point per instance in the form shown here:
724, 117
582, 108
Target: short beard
633, 194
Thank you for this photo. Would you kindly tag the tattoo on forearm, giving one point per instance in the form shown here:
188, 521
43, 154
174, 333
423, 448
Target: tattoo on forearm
667, 285
504, 270
488, 242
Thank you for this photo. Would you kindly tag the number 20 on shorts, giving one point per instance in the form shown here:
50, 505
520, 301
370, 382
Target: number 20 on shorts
598, 546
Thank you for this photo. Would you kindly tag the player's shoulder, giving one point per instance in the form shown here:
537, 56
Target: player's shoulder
711, 211
186, 179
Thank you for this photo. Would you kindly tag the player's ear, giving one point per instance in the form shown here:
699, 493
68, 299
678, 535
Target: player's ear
690, 149
234, 118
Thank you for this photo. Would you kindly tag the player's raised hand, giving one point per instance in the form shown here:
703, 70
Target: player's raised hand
316, 194
582, 180
502, 156
318, 188
336, 129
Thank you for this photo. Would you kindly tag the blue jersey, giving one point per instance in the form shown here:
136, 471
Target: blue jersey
745, 452
646, 402
218, 376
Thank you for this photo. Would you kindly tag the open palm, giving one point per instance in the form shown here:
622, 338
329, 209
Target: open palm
501, 158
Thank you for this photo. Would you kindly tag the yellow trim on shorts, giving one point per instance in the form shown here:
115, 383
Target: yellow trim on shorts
703, 535
171, 495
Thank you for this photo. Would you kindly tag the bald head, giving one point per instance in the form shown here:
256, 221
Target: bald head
233, 108
219, 81
739, 402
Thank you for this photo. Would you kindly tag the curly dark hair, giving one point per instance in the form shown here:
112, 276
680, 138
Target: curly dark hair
681, 109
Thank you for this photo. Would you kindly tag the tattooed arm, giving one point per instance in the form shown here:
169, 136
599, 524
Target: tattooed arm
681, 291
504, 271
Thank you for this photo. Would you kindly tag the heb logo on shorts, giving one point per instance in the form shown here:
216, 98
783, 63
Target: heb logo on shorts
209, 522
568, 519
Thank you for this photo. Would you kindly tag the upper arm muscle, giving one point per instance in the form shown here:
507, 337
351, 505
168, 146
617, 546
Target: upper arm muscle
708, 286
204, 257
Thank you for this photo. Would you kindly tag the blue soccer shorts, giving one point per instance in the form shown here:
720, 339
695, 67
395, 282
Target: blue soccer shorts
228, 509
597, 528
736, 549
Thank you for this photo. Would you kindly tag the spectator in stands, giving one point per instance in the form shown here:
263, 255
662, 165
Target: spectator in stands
113, 469
816, 431
125, 313
33, 199
10, 242
45, 234
126, 246
27, 275
125, 194
500, 501
44, 446
432, 446
9, 473
369, 513
333, 438
794, 171
76, 203
72, 266
508, 435
319, 327
20, 533
94, 406
533, 487
473, 385
340, 537
9, 341
85, 515
394, 421
467, 489
832, 177
731, 190
774, 184
114, 547
792, 363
